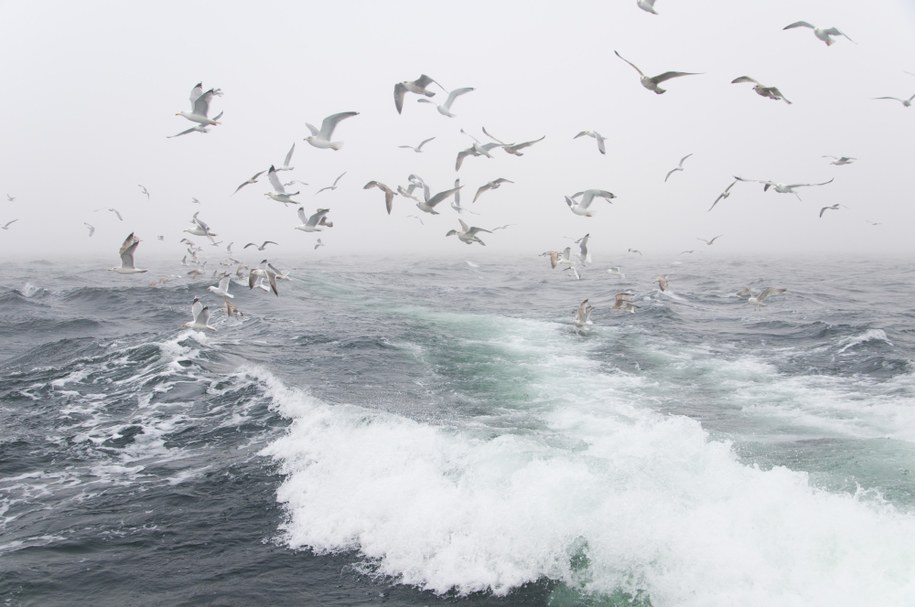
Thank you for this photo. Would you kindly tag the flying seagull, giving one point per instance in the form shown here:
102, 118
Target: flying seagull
783, 188
583, 254
90, 227
315, 223
760, 297
582, 207
126, 252
144, 191
388, 193
513, 148
417, 86
197, 128
279, 193
712, 241
249, 181
723, 195
115, 211
623, 301
260, 247
678, 168
841, 160
332, 187
222, 288
492, 185
445, 108
647, 6
286, 166
201, 317
662, 281
418, 148
321, 138
200, 105
200, 227
600, 139
468, 234
904, 102
824, 34
769, 92
10, 198
653, 83
8, 224
430, 202
834, 207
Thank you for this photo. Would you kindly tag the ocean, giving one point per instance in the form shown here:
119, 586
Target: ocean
409, 431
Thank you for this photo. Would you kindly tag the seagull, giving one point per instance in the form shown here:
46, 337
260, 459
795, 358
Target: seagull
583, 316
318, 243
652, 83
10, 198
334, 186
634, 251
616, 271
600, 139
291, 182
90, 227
201, 318
723, 195
417, 86
430, 202
647, 6
316, 222
200, 105
279, 193
418, 148
143, 190
261, 272
388, 193
126, 252
222, 288
197, 128
445, 108
194, 200
492, 185
782, 188
582, 207
8, 224
571, 268
710, 242
769, 92
623, 301
286, 166
200, 228
679, 167
824, 34
514, 148
231, 309
841, 160
196, 306
477, 149
559, 257
260, 247
583, 254
456, 202
758, 299
321, 139
662, 281
904, 102
468, 234
834, 207
115, 211
249, 181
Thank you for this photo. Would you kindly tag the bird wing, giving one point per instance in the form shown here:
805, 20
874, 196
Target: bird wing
798, 24
289, 156
196, 92
682, 160
481, 189
399, 92
671, 172
740, 79
454, 95
330, 123
202, 103
126, 251
423, 81
629, 62
423, 142
441, 196
115, 211
337, 180
668, 75
318, 215
275, 181
803, 185
769, 291
600, 143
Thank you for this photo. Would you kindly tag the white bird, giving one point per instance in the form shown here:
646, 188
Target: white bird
8, 224
904, 102
197, 128
430, 202
201, 319
200, 227
388, 193
623, 301
90, 227
200, 105
647, 6
492, 185
477, 149
249, 181
783, 188
834, 207
571, 268
597, 136
514, 148
616, 271
194, 200
222, 288
760, 297
417, 86
634, 251
286, 166
315, 223
770, 92
196, 307
559, 257
468, 234
662, 281
332, 187
279, 193
678, 168
144, 191
126, 252
840, 160
260, 273
445, 108
583, 315
115, 211
260, 247
321, 138
710, 242
583, 206
723, 195
824, 34
318, 243
418, 148
456, 200
10, 198
583, 254
652, 83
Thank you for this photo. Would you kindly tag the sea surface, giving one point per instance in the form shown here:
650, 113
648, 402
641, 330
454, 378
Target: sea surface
407, 432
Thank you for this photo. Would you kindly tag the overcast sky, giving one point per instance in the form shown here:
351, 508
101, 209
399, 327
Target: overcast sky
90, 92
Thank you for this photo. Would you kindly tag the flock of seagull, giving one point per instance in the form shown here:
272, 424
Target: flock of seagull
428, 201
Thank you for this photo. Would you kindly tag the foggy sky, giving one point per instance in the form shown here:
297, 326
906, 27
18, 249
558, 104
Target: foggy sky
91, 90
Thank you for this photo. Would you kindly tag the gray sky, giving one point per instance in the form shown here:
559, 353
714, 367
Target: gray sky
91, 90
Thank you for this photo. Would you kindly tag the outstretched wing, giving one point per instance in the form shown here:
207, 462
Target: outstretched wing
629, 62
330, 123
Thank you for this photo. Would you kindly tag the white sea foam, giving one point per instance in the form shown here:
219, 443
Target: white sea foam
869, 335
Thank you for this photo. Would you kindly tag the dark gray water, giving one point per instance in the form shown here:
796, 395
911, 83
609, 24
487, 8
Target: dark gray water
397, 434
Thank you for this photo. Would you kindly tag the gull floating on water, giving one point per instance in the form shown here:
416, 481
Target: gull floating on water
201, 314
583, 315
388, 193
418, 148
315, 223
600, 139
583, 206
904, 102
652, 83
222, 288
279, 193
321, 138
200, 105
770, 92
126, 252
90, 227
261, 246
231, 309
286, 166
647, 6
723, 195
824, 34
430, 202
679, 167
332, 187
8, 224
468, 234
445, 108
249, 181
492, 185
840, 160
417, 86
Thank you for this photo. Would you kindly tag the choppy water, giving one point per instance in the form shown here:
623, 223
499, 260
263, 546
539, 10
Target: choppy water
404, 434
